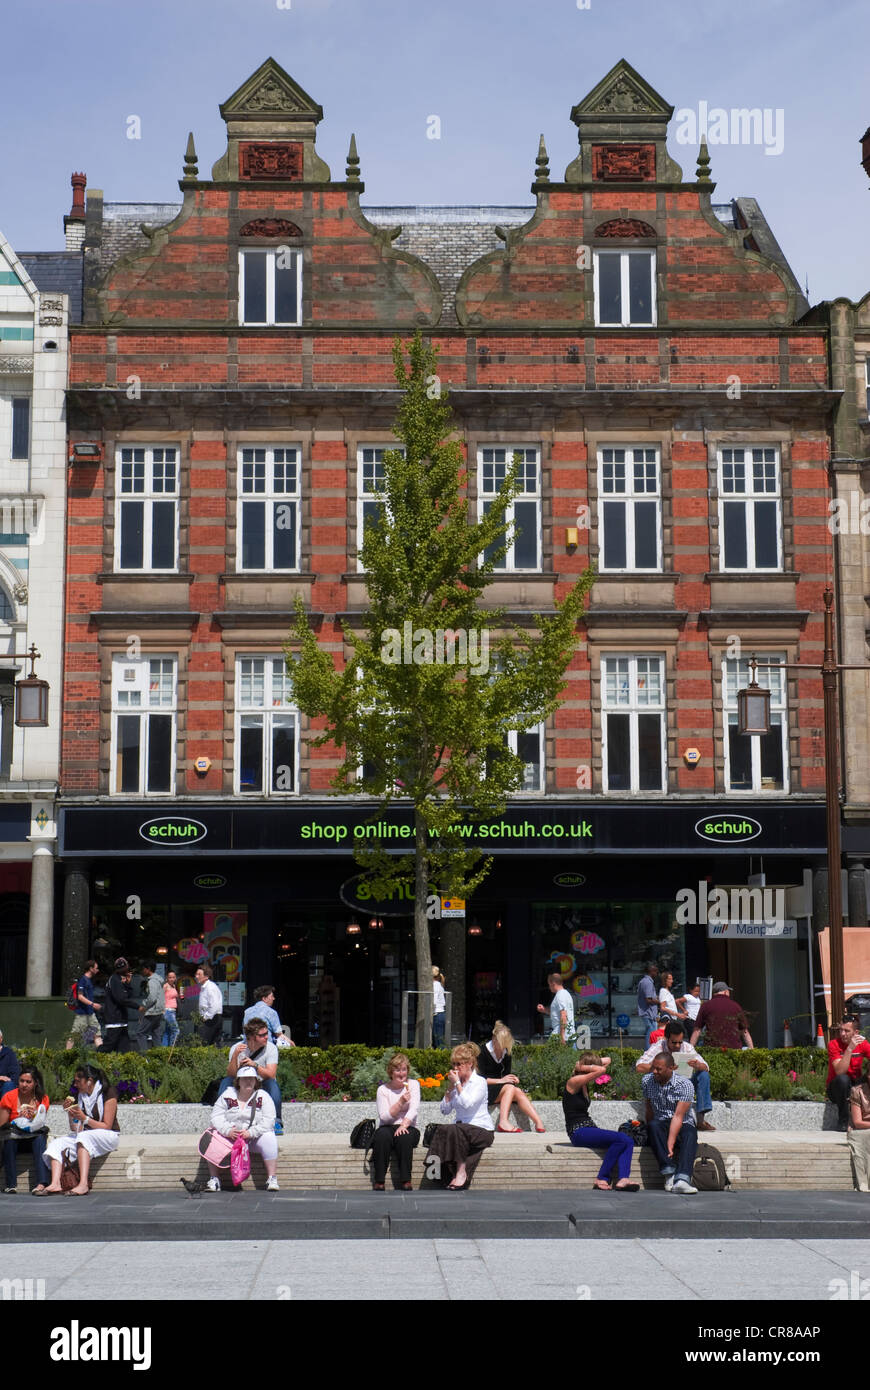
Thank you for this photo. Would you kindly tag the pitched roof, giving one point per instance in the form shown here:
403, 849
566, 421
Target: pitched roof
58, 271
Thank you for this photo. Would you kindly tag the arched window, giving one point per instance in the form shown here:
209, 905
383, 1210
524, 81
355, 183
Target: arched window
7, 612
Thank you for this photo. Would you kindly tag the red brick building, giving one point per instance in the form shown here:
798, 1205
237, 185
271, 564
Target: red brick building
644, 348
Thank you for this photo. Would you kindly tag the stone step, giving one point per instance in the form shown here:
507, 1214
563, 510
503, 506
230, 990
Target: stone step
762, 1161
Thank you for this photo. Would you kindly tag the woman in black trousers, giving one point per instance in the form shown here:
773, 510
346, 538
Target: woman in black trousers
398, 1108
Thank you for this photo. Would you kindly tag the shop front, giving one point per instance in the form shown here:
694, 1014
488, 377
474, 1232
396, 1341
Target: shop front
272, 895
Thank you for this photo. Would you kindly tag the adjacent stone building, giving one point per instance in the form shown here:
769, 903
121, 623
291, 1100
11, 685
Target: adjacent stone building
33, 368
649, 352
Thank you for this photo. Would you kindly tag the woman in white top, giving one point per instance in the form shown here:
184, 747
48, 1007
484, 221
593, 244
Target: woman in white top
244, 1111
93, 1117
398, 1107
459, 1146
439, 1005
667, 1002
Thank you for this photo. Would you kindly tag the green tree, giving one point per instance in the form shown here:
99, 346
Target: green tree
428, 729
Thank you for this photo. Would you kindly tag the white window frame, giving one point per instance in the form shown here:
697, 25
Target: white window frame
624, 287
531, 457
749, 496
633, 708
271, 496
147, 706
148, 496
776, 682
270, 252
363, 495
629, 496
265, 710
513, 736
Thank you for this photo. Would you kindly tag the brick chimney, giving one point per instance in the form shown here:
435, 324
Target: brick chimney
865, 151
74, 222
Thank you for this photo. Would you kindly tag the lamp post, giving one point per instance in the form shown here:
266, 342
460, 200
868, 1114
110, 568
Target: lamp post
753, 717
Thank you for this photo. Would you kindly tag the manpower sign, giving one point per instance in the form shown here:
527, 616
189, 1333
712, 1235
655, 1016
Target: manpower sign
549, 827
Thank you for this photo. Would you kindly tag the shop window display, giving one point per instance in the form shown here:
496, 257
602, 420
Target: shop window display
601, 949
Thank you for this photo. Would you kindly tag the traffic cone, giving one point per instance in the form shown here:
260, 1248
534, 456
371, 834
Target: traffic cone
820, 1037
786, 1033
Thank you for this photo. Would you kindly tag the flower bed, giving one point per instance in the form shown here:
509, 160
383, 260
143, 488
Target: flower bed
353, 1072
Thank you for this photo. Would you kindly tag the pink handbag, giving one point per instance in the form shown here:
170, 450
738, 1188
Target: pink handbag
215, 1148
240, 1162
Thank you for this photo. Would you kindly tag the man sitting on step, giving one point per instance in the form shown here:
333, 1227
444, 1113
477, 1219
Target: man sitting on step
671, 1124
690, 1064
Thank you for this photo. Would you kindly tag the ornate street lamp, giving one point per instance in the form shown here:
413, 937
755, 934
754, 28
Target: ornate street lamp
753, 706
31, 697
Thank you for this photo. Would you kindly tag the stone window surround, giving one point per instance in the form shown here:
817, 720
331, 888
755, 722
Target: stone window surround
152, 645
239, 218
764, 640
291, 438
751, 439
148, 439
663, 644
255, 644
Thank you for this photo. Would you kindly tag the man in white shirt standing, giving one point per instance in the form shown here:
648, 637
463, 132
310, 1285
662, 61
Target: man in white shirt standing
561, 1010
211, 1007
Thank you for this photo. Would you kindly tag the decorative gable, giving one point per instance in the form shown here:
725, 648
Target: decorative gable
270, 91
622, 128
271, 130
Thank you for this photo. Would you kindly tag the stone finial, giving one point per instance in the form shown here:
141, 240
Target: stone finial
702, 173
542, 163
352, 172
191, 170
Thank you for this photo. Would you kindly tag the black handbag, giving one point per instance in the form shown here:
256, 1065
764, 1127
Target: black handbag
429, 1132
362, 1135
638, 1131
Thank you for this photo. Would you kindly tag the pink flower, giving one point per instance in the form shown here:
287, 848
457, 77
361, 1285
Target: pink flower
603, 1079
792, 1076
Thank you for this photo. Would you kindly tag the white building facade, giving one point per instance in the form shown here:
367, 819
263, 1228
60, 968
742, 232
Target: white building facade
33, 378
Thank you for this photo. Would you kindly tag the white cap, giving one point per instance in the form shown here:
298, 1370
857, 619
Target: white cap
246, 1071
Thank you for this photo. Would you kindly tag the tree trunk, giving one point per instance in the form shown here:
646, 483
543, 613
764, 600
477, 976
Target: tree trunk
422, 1032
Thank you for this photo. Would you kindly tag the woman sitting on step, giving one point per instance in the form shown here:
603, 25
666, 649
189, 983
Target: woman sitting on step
585, 1134
494, 1064
458, 1147
94, 1130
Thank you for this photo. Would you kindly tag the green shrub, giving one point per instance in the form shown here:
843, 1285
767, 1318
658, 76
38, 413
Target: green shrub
182, 1073
543, 1069
744, 1085
370, 1074
776, 1085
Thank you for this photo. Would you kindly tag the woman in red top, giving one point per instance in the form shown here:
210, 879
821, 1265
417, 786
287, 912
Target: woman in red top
22, 1104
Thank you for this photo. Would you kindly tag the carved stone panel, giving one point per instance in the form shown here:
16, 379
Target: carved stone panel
270, 227
625, 227
624, 163
270, 159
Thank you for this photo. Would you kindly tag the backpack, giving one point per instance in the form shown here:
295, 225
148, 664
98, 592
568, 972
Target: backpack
709, 1174
72, 996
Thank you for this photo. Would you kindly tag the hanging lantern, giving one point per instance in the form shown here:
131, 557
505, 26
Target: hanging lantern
31, 697
753, 706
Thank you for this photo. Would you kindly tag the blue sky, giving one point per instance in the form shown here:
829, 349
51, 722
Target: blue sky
497, 75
